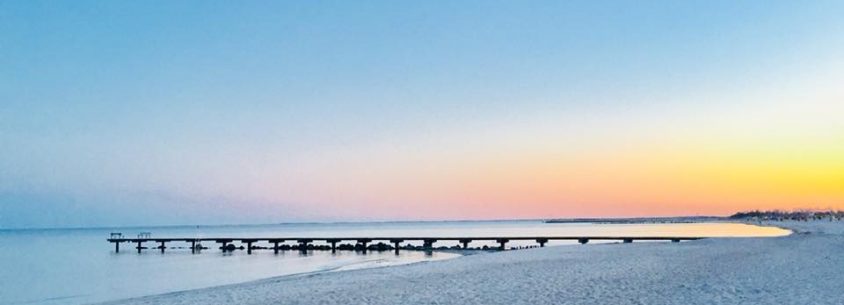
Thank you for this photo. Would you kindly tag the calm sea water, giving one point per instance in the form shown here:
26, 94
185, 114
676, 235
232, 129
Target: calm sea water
78, 266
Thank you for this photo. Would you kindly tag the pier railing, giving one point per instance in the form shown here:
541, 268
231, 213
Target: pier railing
278, 243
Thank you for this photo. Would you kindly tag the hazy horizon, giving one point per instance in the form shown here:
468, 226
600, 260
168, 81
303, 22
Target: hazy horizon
328, 222
161, 112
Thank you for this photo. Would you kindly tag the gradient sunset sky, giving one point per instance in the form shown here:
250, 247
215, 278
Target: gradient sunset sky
203, 112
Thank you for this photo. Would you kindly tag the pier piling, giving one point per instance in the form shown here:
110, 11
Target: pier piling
396, 243
248, 243
542, 242
503, 243
428, 244
303, 245
465, 243
275, 244
364, 243
224, 244
333, 243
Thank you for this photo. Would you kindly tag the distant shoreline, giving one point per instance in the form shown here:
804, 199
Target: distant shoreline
635, 220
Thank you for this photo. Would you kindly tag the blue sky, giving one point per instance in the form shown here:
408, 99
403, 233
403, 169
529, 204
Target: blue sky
117, 112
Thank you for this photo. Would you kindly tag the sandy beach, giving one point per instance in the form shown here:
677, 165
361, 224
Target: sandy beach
803, 268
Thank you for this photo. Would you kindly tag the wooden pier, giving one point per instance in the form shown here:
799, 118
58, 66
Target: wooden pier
278, 243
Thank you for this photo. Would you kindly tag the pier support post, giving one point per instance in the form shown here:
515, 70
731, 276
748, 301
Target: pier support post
224, 243
116, 247
275, 246
303, 245
162, 247
465, 243
397, 244
333, 243
503, 242
675, 240
364, 242
248, 243
542, 242
140, 246
428, 244
248, 247
193, 246
583, 241
628, 240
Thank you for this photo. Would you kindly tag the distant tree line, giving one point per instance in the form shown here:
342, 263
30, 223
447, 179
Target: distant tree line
800, 215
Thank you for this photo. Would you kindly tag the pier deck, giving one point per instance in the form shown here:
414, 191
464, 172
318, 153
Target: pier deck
303, 242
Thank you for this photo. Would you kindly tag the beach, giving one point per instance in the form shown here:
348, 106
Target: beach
806, 267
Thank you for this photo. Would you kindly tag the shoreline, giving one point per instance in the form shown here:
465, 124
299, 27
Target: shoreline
315, 287
641, 220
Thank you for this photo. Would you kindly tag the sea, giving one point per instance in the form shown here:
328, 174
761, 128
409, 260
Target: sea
79, 266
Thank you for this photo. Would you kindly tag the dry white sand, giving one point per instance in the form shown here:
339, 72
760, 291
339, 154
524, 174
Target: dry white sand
804, 268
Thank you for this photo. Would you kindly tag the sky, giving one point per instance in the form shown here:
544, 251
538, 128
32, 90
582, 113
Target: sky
207, 112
